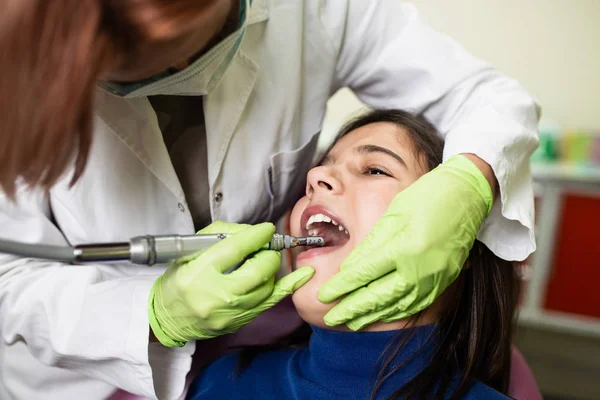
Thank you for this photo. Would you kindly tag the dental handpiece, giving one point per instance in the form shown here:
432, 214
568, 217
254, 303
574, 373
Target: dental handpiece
149, 250
145, 250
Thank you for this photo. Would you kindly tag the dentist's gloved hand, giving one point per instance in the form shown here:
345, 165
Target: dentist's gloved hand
415, 251
195, 299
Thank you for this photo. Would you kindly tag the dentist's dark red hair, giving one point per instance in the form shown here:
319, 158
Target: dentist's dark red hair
51, 54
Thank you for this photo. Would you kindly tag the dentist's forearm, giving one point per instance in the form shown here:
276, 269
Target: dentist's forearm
486, 170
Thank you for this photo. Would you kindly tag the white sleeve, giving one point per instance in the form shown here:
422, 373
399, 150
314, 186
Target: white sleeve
91, 318
391, 59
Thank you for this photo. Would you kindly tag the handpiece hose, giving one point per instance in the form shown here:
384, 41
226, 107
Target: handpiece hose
146, 250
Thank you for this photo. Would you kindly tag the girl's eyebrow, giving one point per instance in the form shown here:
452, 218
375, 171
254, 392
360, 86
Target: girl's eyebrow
371, 148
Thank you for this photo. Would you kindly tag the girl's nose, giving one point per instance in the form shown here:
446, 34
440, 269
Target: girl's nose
322, 179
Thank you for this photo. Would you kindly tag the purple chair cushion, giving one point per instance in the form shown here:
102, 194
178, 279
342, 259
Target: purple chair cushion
522, 383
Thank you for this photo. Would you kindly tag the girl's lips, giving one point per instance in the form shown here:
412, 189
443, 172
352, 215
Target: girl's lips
317, 251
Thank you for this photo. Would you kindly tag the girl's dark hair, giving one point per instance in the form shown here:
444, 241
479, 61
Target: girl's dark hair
474, 331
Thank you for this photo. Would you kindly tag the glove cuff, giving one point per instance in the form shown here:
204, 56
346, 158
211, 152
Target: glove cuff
162, 337
473, 174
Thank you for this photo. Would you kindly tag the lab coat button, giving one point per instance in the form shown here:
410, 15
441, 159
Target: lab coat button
218, 197
181, 207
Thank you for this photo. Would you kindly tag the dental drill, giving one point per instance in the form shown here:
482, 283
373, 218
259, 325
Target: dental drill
145, 250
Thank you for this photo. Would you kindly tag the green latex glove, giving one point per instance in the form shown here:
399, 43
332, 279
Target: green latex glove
195, 299
415, 251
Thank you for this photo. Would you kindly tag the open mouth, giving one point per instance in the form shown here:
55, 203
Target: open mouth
329, 229
316, 221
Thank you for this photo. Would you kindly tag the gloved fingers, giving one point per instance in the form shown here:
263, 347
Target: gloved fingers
404, 308
353, 276
286, 286
222, 227
293, 281
367, 319
363, 251
376, 296
388, 226
253, 299
411, 305
406, 312
257, 270
232, 250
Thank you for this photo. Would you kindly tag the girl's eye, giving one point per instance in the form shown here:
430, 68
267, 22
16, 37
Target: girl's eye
375, 171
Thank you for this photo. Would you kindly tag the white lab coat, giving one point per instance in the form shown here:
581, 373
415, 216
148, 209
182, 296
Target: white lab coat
78, 332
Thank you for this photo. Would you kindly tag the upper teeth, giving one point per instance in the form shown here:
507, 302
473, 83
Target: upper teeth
322, 218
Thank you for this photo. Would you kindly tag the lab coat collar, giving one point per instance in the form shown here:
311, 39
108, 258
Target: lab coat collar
259, 11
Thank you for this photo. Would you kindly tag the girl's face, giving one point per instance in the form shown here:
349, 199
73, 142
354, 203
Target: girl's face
345, 196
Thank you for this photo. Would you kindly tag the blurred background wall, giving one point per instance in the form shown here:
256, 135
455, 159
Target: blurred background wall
553, 48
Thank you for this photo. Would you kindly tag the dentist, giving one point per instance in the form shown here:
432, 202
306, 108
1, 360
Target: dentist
126, 117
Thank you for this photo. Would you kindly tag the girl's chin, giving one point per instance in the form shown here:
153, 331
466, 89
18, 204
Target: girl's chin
308, 306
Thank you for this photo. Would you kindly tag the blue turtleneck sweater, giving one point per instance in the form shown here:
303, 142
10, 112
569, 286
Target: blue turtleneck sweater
335, 365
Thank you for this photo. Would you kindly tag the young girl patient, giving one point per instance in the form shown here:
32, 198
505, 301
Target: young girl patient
458, 348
